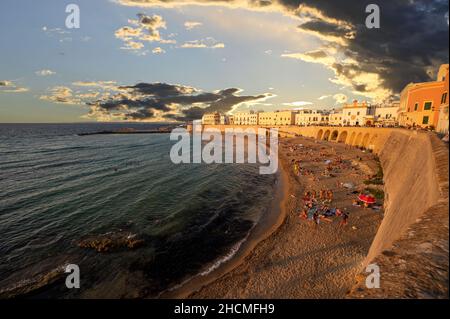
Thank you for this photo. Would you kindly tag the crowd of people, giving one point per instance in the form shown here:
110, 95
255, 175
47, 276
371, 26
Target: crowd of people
316, 207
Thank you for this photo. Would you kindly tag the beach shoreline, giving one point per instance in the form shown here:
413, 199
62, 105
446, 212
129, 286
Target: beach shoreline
263, 229
296, 259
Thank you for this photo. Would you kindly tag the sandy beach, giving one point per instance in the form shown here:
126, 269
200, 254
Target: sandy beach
300, 259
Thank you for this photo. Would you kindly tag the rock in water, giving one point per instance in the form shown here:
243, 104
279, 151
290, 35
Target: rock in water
112, 242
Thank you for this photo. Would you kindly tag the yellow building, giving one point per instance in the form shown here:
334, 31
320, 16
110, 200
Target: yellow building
211, 118
277, 118
224, 119
421, 103
245, 118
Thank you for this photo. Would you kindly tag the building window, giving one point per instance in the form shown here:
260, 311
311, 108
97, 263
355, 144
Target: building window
427, 106
425, 120
444, 98
416, 106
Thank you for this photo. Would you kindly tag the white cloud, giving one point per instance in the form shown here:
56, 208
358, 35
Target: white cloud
346, 72
105, 85
298, 103
45, 72
189, 25
132, 45
144, 29
81, 92
61, 95
158, 50
208, 43
340, 98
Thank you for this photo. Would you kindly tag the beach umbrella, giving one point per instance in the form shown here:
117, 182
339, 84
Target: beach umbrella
367, 199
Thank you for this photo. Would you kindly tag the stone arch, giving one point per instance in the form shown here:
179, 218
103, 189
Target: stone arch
365, 140
372, 141
342, 137
334, 135
358, 139
326, 135
319, 134
352, 138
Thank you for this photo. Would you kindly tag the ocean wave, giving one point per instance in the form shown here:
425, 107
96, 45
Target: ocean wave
215, 265
233, 251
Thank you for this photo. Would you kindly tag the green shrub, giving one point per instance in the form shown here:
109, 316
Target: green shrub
377, 193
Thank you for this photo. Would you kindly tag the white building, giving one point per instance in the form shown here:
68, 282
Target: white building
311, 117
358, 114
335, 118
387, 115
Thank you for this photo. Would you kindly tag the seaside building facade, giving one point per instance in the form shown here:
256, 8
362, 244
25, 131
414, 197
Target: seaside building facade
421, 103
335, 118
224, 119
246, 118
277, 118
311, 117
387, 115
358, 114
211, 118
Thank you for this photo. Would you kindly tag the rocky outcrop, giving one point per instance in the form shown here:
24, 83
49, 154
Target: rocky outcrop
111, 242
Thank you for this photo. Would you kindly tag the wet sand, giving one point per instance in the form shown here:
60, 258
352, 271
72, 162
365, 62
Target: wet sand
297, 258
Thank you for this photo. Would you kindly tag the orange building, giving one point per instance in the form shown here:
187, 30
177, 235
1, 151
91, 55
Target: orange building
420, 103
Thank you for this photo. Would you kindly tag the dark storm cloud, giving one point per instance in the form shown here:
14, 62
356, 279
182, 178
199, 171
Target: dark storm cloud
158, 89
325, 28
145, 101
413, 36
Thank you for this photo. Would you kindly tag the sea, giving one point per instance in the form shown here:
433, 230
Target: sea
59, 189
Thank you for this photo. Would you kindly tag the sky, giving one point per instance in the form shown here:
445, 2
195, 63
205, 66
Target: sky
174, 60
